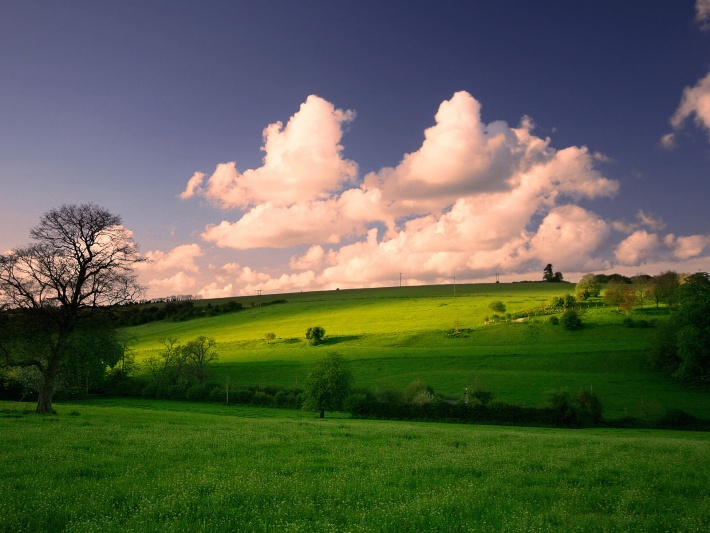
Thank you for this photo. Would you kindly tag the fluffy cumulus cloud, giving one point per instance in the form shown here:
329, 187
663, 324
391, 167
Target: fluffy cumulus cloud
302, 162
473, 199
694, 103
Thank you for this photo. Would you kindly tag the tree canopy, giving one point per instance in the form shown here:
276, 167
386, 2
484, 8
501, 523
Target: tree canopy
327, 384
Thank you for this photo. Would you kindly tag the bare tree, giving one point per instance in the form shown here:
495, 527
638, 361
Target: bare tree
81, 258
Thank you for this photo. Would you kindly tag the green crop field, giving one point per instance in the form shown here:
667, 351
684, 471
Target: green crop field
131, 465
398, 335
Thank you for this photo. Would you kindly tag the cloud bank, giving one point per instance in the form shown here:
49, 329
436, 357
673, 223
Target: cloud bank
474, 199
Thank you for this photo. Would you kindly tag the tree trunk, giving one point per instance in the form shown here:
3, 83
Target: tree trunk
44, 401
322, 413
47, 388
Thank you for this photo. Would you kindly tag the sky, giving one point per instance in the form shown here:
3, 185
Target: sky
280, 146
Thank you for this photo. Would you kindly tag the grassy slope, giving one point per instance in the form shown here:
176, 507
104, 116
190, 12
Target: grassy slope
166, 466
398, 335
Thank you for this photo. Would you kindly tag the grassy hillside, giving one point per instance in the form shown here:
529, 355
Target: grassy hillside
398, 335
114, 466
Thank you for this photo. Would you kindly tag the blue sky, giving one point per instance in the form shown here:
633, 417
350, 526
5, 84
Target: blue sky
437, 139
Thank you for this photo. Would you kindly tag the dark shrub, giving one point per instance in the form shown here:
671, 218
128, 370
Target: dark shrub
588, 408
570, 320
483, 396
150, 390
554, 320
217, 394
241, 396
262, 399
197, 393
315, 335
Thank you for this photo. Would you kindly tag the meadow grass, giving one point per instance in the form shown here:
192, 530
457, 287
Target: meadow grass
117, 466
398, 335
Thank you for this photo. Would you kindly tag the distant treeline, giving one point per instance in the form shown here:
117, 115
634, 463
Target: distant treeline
176, 311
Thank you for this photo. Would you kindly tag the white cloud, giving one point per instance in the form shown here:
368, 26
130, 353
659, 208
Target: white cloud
302, 162
473, 200
178, 283
269, 226
569, 236
181, 257
695, 102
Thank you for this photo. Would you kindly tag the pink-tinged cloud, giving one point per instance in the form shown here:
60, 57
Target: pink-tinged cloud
639, 247
572, 236
302, 162
695, 103
178, 283
193, 185
179, 258
687, 247
269, 226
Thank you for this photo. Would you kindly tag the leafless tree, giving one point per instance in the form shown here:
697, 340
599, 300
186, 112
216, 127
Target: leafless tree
82, 258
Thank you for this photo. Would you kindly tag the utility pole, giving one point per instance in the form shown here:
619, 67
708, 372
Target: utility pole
400, 279
259, 293
454, 286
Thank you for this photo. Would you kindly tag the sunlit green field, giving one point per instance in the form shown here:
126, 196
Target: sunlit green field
113, 466
397, 335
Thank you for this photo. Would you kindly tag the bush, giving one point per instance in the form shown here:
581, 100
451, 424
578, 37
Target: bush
554, 320
415, 390
588, 408
357, 403
497, 307
262, 399
197, 393
315, 335
483, 396
570, 320
217, 394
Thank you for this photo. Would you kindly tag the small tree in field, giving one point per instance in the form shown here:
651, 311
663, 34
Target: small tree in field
497, 307
588, 287
315, 335
269, 337
327, 384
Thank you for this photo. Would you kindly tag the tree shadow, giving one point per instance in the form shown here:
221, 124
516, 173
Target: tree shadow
329, 341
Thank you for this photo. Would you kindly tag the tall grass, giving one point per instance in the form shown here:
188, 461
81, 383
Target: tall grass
153, 466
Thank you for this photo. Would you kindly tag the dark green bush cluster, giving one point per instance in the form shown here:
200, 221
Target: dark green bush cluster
631, 323
135, 315
419, 402
256, 395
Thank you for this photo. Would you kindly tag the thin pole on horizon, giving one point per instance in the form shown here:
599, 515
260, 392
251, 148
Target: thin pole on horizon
400, 279
454, 286
258, 291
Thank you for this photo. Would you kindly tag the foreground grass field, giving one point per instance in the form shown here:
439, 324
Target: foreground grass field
398, 335
113, 466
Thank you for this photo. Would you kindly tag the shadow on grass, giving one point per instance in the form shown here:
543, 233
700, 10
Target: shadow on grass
330, 341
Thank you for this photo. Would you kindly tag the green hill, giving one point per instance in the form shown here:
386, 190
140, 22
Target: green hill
397, 335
